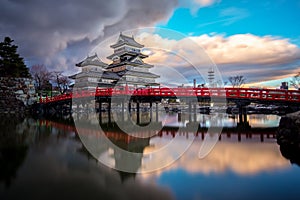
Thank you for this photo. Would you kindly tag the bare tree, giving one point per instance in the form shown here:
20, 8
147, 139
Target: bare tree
62, 82
41, 76
237, 81
296, 81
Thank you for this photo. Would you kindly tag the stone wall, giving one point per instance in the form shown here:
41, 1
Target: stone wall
16, 94
289, 129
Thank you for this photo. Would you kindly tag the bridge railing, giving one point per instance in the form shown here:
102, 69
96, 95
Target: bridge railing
263, 94
241, 93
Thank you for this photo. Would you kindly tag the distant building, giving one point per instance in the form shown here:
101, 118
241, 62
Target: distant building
284, 86
127, 67
211, 77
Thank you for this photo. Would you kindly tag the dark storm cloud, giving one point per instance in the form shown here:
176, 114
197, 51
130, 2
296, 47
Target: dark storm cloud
56, 32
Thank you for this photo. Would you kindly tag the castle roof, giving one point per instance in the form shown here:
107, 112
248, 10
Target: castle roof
92, 60
124, 39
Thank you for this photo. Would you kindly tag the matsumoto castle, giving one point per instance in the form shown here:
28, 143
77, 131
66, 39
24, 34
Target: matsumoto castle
127, 67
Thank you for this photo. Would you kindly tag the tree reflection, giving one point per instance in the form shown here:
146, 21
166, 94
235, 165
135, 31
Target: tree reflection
13, 148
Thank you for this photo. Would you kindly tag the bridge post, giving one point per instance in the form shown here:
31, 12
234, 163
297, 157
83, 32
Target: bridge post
100, 111
109, 111
241, 110
150, 110
129, 106
156, 112
245, 116
190, 111
137, 112
240, 116
195, 112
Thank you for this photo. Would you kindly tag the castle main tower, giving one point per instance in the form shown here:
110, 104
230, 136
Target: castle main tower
127, 62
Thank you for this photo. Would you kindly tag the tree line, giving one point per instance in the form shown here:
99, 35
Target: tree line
13, 65
46, 80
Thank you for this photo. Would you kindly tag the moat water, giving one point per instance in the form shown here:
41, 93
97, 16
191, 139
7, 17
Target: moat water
47, 159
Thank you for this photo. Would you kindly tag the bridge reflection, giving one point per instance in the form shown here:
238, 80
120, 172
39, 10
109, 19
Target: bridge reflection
242, 130
239, 144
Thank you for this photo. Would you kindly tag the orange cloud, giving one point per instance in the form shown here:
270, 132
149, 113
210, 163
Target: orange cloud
248, 48
236, 49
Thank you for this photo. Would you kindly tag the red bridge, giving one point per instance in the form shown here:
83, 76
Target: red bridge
270, 96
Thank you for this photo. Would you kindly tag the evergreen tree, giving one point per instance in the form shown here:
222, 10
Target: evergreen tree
11, 64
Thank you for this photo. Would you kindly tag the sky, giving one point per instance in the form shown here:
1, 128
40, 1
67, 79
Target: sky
259, 40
